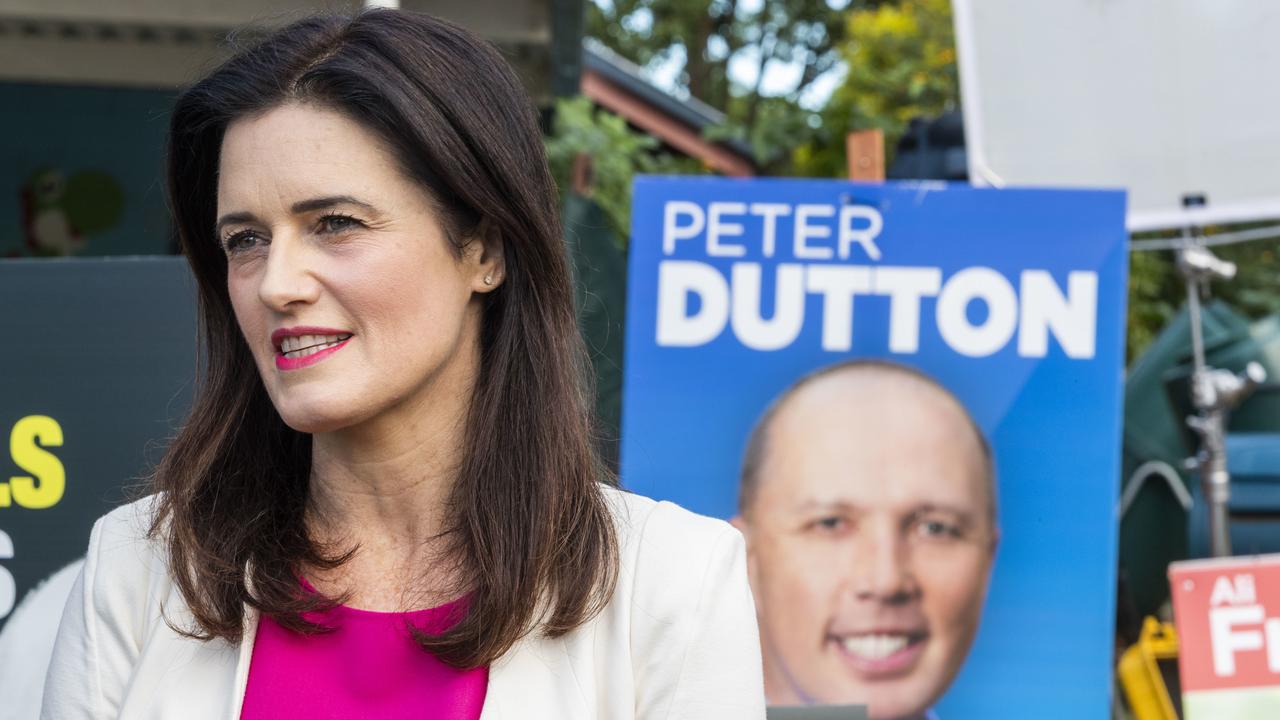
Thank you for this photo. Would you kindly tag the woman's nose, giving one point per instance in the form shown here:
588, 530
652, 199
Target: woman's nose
288, 279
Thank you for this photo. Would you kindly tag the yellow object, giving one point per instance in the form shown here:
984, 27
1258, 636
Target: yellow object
1140, 675
28, 446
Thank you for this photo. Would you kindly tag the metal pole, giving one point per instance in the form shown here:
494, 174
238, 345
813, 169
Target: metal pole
1214, 392
1218, 489
1189, 238
1197, 331
1215, 480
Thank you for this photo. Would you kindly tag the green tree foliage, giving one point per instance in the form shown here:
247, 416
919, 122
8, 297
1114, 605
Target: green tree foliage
618, 153
706, 36
1155, 294
900, 63
898, 57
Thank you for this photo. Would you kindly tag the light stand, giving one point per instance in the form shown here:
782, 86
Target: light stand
1214, 392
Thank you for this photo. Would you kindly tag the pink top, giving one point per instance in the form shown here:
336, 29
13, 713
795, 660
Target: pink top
368, 667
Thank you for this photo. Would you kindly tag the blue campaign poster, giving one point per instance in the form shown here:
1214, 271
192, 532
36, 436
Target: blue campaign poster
918, 386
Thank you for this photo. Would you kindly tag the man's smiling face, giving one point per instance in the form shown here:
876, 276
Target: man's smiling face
870, 538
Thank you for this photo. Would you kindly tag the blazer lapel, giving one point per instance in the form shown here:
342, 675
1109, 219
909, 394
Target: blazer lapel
243, 660
534, 680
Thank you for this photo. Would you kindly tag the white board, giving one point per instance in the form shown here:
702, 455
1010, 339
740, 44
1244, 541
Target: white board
1161, 97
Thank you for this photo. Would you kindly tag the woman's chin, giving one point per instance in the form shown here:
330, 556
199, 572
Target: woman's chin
316, 421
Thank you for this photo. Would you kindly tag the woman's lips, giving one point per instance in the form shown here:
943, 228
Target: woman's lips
296, 363
876, 656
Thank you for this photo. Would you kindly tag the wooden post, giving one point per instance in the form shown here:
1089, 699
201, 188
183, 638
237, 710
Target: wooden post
865, 152
582, 176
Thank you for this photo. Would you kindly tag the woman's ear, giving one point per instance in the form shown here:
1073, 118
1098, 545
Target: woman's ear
483, 255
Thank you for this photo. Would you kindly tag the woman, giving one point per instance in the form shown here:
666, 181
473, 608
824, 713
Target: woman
385, 502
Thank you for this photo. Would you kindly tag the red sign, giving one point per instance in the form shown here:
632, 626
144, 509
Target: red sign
1227, 612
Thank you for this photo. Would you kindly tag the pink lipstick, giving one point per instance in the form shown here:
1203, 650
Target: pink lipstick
304, 346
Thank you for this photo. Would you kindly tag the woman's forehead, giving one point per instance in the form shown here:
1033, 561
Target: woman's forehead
297, 151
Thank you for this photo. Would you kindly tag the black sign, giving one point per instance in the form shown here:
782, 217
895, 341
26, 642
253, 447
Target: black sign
97, 359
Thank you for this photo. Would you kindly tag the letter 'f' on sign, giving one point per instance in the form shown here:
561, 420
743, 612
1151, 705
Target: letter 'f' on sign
1227, 640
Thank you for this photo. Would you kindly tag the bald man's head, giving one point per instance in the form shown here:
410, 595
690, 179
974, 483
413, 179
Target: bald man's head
868, 504
879, 387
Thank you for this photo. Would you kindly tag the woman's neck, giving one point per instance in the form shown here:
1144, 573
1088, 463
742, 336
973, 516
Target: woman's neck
383, 487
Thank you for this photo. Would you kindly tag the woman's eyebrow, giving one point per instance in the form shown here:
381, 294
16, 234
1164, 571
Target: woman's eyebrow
234, 218
298, 208
320, 203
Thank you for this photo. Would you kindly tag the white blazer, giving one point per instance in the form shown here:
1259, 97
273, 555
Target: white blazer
677, 640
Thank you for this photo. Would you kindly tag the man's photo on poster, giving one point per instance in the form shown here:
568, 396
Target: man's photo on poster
868, 500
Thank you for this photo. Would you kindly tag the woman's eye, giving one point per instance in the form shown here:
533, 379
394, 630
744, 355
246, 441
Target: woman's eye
338, 223
239, 241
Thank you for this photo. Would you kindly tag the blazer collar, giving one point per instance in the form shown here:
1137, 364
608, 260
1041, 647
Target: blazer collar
249, 635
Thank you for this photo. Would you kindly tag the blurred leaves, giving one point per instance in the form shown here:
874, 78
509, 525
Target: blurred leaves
901, 63
618, 153
896, 59
1155, 294
709, 34
797, 40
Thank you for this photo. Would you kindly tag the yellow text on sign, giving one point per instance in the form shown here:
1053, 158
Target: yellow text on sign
44, 486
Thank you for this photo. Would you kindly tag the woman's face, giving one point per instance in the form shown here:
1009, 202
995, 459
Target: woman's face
343, 280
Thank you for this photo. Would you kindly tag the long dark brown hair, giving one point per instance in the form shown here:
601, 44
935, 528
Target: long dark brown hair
530, 532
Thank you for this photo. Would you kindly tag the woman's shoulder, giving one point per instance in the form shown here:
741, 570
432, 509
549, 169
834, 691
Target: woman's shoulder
655, 525
125, 561
666, 551
683, 611
125, 532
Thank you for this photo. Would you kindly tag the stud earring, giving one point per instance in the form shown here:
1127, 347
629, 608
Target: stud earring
488, 279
